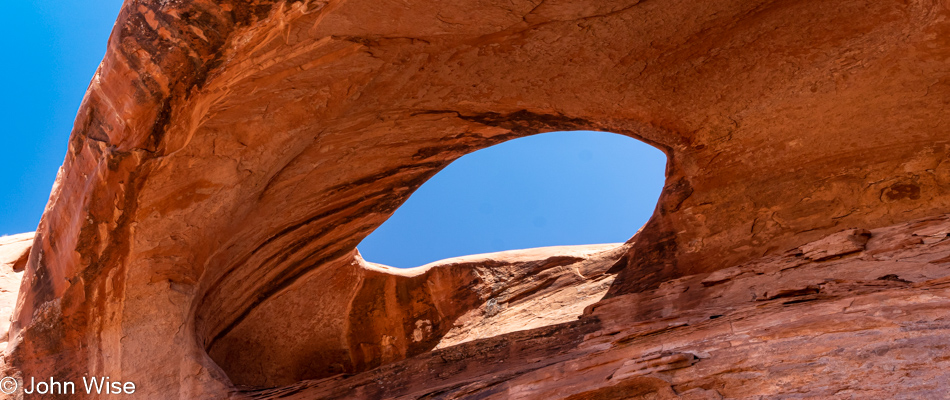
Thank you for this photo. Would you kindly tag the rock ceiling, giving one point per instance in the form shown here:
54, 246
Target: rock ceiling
228, 156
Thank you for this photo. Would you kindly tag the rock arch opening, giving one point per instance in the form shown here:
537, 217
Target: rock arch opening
551, 189
347, 315
218, 180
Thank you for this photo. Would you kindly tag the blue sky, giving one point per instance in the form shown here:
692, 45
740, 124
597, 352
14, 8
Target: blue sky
51, 50
551, 189
555, 188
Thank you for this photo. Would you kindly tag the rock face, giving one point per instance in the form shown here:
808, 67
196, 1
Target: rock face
872, 324
375, 314
229, 155
14, 251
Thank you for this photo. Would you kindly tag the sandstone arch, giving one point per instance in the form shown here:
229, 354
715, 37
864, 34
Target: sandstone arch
265, 137
351, 315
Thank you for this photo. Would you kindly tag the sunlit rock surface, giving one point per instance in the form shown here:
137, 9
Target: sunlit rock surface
228, 156
14, 251
367, 315
872, 324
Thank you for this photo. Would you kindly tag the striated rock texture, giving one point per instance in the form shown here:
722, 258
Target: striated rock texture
872, 324
14, 251
228, 156
372, 315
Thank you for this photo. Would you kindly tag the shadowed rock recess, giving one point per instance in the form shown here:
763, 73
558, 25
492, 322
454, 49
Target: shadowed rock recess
228, 157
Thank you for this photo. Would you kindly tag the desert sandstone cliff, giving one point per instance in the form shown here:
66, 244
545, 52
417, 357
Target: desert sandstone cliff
200, 239
14, 251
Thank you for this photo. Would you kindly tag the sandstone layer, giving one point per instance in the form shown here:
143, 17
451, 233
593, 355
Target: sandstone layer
228, 157
370, 315
868, 323
14, 251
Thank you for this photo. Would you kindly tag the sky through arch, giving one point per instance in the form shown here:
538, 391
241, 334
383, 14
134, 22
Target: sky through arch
551, 189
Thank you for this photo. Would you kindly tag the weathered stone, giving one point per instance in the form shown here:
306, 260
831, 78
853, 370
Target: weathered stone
858, 336
229, 155
839, 244
375, 315
14, 250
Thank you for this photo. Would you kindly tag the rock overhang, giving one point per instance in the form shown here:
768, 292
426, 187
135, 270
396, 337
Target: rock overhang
267, 138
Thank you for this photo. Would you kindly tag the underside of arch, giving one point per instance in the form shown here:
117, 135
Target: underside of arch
226, 151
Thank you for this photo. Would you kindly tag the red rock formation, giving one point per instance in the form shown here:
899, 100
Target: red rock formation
868, 324
14, 251
371, 315
229, 155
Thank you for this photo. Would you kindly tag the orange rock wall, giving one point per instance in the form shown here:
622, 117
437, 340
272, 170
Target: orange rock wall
228, 154
868, 324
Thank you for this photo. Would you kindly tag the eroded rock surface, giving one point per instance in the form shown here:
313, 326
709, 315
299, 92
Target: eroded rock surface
370, 315
229, 155
14, 251
869, 325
